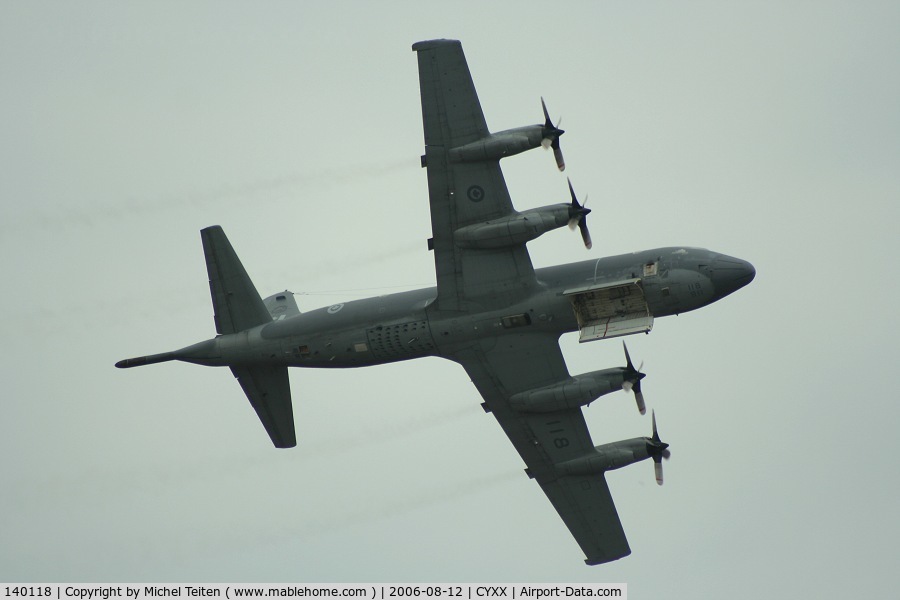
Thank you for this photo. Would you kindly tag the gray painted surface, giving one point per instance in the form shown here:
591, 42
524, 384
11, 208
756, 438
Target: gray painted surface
490, 312
768, 132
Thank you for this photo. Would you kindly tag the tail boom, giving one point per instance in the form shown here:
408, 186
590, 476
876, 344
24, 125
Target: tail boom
145, 360
239, 314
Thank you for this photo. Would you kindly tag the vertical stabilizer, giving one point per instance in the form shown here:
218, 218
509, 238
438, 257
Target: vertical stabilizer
282, 305
236, 302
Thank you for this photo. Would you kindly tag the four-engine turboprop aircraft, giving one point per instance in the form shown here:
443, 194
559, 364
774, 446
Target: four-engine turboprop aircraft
491, 311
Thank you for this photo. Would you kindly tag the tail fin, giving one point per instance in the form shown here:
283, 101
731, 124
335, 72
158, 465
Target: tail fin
237, 307
282, 305
236, 303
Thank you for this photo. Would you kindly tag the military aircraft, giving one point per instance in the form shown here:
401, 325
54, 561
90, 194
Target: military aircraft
490, 311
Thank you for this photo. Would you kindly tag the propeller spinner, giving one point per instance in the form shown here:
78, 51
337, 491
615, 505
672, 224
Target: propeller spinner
551, 135
577, 215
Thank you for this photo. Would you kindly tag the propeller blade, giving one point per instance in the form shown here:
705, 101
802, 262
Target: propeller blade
585, 234
557, 154
575, 203
628, 364
658, 450
551, 137
632, 381
639, 399
577, 214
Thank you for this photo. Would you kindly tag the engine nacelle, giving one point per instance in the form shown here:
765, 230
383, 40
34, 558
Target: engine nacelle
571, 393
499, 145
513, 230
608, 457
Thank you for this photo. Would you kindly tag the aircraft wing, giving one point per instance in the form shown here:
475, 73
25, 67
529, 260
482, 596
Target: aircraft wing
463, 193
516, 363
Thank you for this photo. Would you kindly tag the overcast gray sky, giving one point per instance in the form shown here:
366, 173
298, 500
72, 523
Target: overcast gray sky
764, 130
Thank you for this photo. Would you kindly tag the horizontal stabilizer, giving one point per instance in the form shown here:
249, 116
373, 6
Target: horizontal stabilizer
236, 303
269, 391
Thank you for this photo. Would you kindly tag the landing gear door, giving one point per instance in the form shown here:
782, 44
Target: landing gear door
610, 310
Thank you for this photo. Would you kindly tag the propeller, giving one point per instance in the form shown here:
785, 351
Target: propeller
632, 381
577, 214
658, 450
551, 135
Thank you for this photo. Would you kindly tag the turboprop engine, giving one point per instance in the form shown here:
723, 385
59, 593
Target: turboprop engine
616, 455
514, 141
581, 390
515, 229
525, 226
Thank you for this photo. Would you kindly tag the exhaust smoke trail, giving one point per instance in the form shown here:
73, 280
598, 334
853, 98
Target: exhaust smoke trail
115, 482
71, 213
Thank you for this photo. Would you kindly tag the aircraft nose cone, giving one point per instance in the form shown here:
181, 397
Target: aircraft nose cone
729, 274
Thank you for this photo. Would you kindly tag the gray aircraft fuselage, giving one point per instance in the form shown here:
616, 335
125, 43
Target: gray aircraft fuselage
490, 311
409, 325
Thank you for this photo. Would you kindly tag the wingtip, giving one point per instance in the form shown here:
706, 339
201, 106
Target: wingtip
592, 562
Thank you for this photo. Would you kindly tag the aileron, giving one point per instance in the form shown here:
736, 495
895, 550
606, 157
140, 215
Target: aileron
451, 111
586, 507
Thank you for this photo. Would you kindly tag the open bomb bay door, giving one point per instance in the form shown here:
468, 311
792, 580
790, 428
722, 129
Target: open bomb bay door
610, 310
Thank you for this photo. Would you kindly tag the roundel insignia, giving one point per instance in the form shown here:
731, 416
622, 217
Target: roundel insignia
475, 193
334, 308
